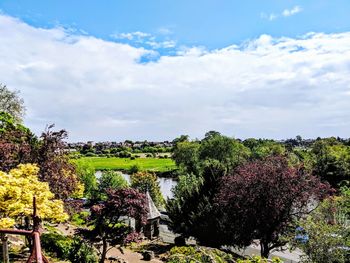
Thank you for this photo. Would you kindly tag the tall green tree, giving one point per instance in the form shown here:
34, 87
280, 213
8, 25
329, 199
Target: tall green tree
109, 180
145, 181
11, 103
204, 163
185, 155
86, 173
332, 161
192, 211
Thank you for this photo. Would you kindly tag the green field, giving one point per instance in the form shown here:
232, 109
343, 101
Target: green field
144, 164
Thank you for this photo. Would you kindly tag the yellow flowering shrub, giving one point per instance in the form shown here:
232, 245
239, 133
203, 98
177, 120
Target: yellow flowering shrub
17, 189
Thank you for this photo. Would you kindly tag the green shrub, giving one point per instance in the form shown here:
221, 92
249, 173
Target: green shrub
134, 169
67, 248
56, 245
79, 219
188, 254
81, 252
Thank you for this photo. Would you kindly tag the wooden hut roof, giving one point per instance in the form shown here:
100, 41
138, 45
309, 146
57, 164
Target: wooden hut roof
153, 211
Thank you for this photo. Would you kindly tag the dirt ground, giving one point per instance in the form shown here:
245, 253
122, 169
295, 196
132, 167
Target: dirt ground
129, 256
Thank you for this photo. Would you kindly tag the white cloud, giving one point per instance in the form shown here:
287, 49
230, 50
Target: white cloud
98, 90
147, 39
285, 13
293, 11
163, 44
138, 35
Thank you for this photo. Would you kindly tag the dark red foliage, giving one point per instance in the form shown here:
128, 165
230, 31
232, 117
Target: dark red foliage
261, 199
18, 145
73, 206
54, 164
14, 149
106, 218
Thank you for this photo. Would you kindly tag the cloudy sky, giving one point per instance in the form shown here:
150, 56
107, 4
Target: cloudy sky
116, 70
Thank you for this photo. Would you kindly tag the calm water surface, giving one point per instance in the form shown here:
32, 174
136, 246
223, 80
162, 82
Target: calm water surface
166, 184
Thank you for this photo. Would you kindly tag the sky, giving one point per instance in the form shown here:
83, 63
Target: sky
153, 70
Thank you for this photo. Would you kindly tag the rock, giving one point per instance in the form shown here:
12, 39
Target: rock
148, 255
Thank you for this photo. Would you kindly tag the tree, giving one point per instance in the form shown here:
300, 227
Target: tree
182, 138
192, 210
229, 152
86, 174
263, 148
332, 161
145, 181
261, 200
19, 145
11, 103
110, 180
55, 166
326, 232
185, 155
17, 188
106, 225
192, 156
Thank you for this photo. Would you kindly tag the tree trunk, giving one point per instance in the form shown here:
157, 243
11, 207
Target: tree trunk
104, 251
265, 250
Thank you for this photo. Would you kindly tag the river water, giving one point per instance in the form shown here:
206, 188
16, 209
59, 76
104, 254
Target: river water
166, 184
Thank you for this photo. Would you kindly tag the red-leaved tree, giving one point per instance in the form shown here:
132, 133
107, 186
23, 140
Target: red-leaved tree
19, 145
107, 228
261, 199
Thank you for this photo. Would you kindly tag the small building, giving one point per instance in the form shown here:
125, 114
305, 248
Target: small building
151, 229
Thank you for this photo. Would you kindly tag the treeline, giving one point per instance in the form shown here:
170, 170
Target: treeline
124, 149
327, 158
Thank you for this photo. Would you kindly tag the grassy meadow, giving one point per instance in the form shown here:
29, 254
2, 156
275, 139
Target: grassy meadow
144, 164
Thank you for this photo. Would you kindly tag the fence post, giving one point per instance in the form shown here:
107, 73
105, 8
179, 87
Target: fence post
5, 248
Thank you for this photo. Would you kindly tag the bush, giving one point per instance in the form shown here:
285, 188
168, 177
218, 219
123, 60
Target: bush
124, 154
80, 219
81, 252
187, 254
90, 154
134, 169
56, 245
67, 248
